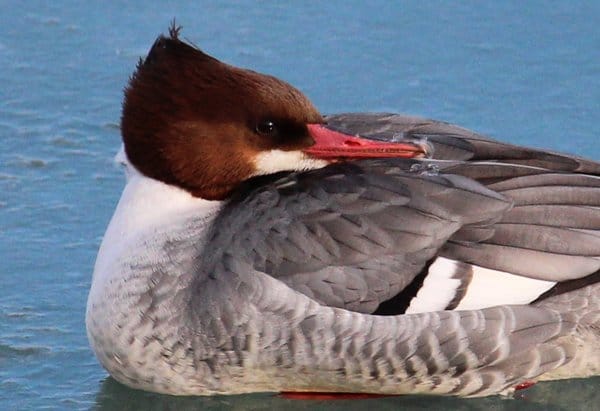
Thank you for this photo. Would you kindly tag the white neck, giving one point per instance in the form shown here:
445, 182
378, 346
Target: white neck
147, 209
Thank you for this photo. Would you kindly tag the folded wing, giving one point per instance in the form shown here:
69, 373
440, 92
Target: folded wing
351, 235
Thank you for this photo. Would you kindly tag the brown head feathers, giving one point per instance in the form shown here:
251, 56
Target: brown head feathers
192, 121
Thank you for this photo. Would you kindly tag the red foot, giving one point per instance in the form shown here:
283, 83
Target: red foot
524, 385
290, 395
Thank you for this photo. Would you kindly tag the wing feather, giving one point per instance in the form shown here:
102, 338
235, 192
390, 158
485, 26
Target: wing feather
351, 235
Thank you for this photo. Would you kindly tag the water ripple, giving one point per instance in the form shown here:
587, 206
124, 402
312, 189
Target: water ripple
10, 351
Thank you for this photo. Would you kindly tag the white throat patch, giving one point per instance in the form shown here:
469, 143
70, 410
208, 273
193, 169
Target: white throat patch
273, 161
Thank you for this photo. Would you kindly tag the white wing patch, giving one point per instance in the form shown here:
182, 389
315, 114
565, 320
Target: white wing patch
438, 289
480, 287
491, 287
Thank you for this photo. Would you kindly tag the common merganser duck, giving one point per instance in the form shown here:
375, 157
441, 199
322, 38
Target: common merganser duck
260, 246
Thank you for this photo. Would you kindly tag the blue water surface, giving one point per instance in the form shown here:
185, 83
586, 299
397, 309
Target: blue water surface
526, 72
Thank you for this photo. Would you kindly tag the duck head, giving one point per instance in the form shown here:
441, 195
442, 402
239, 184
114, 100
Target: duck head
191, 121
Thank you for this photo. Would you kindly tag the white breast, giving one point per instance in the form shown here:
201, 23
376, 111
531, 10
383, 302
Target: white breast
149, 216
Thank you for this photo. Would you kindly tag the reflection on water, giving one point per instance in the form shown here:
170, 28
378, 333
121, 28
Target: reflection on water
549, 396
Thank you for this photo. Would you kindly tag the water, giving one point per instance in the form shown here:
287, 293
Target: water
528, 72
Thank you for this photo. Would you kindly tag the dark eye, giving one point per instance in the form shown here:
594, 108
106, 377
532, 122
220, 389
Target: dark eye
266, 128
